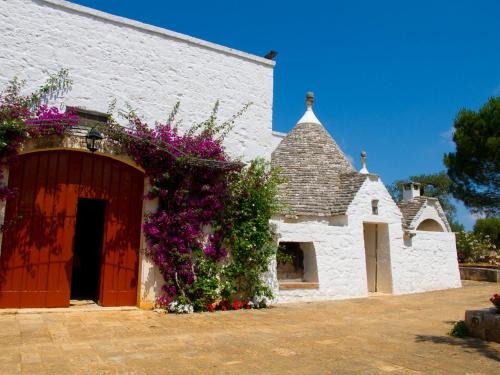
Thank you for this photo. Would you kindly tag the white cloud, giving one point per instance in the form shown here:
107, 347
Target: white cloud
475, 216
350, 159
447, 136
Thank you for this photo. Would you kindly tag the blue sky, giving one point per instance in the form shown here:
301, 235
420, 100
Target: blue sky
389, 76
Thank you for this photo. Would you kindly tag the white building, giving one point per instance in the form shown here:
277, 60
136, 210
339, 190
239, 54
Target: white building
113, 58
346, 234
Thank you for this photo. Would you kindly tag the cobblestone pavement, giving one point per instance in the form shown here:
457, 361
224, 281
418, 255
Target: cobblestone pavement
376, 335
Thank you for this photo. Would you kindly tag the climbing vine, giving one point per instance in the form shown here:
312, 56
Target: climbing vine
251, 238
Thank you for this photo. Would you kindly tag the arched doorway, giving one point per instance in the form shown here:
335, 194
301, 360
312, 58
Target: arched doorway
70, 205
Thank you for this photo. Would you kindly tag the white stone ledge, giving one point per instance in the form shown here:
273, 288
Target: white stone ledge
155, 30
279, 134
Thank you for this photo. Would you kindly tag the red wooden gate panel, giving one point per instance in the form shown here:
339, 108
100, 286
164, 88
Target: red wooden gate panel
120, 256
37, 246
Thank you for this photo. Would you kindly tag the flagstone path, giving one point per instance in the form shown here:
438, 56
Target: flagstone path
376, 335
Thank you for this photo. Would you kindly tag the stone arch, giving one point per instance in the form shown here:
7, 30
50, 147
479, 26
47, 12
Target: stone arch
430, 225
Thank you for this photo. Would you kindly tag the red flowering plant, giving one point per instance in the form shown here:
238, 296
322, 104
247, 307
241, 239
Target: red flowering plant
495, 300
28, 116
226, 305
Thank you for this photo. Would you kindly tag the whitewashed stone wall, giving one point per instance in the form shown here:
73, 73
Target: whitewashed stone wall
339, 244
427, 262
360, 211
430, 263
431, 211
110, 57
339, 267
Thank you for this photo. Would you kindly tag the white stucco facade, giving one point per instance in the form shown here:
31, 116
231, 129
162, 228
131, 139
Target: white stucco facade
148, 67
426, 262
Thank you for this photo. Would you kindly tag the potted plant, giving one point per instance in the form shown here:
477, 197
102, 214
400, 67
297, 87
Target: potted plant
495, 300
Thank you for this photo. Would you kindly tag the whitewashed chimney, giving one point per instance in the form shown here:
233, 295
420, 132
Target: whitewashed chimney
411, 190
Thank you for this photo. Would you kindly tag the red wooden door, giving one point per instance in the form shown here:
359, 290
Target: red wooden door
37, 246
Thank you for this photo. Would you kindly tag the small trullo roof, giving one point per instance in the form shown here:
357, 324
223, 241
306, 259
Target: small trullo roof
320, 179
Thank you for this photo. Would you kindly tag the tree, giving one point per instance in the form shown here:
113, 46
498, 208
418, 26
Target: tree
435, 185
474, 167
489, 227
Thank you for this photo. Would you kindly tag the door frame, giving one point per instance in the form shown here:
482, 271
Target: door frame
382, 251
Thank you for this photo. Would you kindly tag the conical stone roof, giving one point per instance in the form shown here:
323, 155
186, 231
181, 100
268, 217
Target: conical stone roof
318, 173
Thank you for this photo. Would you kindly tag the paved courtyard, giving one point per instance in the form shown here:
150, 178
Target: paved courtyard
381, 334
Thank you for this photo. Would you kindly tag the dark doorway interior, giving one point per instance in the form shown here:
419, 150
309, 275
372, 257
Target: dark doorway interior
87, 249
292, 270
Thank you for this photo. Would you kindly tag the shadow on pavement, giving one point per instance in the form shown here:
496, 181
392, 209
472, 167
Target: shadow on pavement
480, 346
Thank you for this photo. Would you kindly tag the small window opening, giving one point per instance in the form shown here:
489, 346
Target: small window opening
293, 268
88, 118
297, 268
375, 207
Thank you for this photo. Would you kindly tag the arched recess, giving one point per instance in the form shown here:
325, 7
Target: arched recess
430, 225
37, 257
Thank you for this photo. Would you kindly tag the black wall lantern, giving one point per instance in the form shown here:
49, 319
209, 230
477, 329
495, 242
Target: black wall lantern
94, 139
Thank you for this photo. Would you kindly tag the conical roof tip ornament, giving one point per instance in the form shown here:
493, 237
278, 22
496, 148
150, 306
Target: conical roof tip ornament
309, 100
309, 117
363, 169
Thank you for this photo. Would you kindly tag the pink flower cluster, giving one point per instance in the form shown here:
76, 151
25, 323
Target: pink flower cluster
50, 120
20, 121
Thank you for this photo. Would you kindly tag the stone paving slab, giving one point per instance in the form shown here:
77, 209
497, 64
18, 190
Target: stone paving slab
376, 335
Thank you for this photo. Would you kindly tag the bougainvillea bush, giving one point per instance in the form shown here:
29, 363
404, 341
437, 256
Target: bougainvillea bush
28, 116
208, 208
210, 234
188, 178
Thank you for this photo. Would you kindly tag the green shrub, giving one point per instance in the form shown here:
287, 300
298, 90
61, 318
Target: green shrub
489, 227
252, 242
474, 248
459, 329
